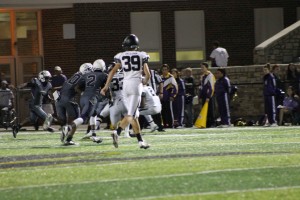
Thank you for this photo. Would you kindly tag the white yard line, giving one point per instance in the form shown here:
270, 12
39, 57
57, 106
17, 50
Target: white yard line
63, 167
221, 192
150, 177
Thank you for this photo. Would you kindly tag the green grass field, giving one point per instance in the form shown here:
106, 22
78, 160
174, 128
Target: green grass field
233, 163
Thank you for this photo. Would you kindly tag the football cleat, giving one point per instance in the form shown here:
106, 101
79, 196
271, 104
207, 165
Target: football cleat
161, 130
15, 130
64, 132
88, 135
154, 128
47, 122
69, 143
274, 125
50, 129
96, 139
115, 138
144, 145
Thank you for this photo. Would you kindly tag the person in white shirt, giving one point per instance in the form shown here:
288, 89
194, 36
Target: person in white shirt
134, 63
219, 56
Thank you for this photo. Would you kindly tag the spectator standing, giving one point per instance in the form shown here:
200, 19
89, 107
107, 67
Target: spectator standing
269, 95
222, 91
189, 95
279, 84
292, 76
219, 55
280, 88
178, 104
167, 96
206, 93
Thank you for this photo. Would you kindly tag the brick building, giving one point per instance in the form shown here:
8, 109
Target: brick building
101, 27
70, 33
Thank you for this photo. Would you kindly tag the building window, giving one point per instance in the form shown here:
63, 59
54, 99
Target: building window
5, 34
27, 33
147, 27
267, 22
190, 36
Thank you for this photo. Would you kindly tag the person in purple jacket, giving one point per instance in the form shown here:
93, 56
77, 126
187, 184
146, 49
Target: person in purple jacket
178, 104
222, 91
167, 96
289, 105
269, 92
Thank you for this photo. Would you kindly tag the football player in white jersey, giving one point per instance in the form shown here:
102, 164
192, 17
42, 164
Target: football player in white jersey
150, 105
134, 63
118, 108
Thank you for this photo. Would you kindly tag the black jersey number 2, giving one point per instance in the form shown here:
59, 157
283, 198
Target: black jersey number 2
131, 63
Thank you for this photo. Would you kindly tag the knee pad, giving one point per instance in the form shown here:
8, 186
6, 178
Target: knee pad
78, 121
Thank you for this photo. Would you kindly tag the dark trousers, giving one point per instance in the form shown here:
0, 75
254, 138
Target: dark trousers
270, 108
157, 120
178, 109
167, 114
223, 107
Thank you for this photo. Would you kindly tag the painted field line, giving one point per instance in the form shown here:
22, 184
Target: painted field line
65, 167
150, 177
222, 192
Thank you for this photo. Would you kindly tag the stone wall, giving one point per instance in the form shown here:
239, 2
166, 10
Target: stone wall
284, 47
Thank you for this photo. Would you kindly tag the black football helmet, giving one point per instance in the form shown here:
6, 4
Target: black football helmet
131, 42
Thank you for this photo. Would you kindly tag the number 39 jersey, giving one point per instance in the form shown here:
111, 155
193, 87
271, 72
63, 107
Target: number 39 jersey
132, 63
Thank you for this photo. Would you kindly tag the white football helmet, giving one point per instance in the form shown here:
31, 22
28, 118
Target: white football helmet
43, 75
99, 65
85, 68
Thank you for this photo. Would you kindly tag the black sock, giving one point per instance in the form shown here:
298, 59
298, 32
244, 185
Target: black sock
119, 130
88, 129
69, 138
100, 118
139, 137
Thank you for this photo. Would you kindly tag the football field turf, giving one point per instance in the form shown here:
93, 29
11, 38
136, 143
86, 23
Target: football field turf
232, 163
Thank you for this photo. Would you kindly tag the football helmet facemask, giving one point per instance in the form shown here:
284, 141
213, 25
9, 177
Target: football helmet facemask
110, 66
131, 42
85, 68
44, 75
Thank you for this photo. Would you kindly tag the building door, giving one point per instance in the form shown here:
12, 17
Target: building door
21, 55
